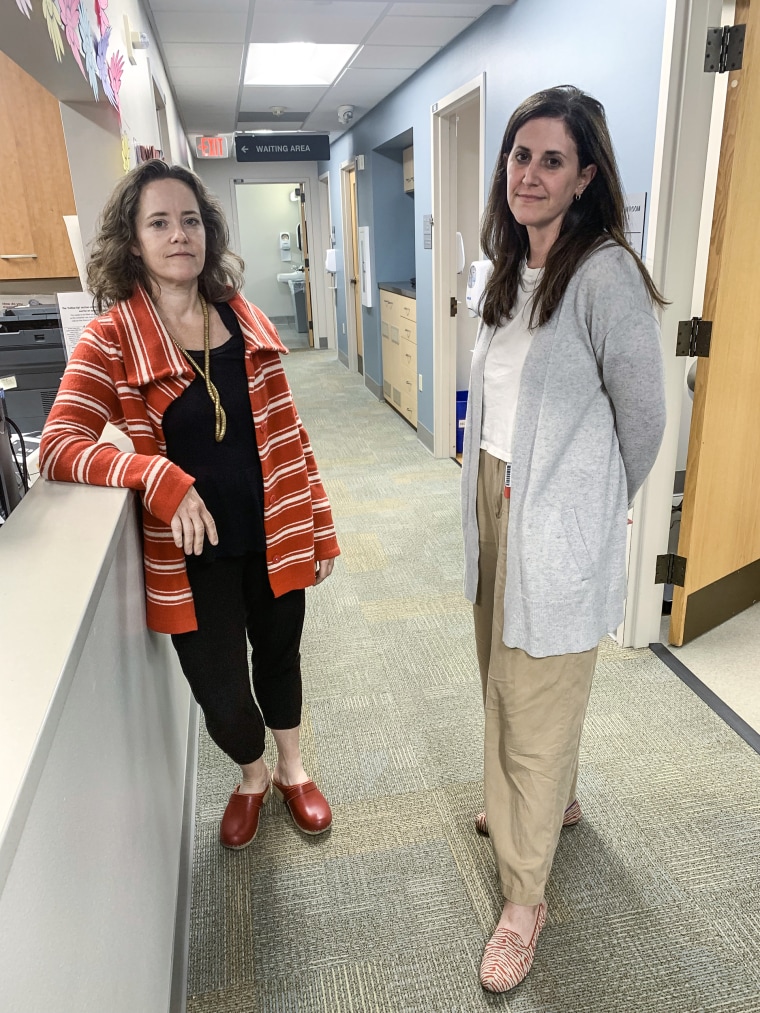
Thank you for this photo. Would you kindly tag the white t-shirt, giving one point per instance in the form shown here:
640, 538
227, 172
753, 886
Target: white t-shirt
503, 369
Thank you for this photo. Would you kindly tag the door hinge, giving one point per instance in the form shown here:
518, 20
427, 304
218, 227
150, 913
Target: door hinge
694, 337
305, 261
303, 196
453, 306
670, 569
724, 49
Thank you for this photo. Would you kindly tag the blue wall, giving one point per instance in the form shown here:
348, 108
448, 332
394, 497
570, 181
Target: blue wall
612, 52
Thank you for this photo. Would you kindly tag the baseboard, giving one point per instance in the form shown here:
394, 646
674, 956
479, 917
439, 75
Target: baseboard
181, 955
343, 357
713, 701
374, 388
425, 437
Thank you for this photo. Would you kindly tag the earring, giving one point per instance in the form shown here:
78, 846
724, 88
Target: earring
578, 195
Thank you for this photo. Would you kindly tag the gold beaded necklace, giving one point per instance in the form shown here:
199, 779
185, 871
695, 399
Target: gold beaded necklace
220, 417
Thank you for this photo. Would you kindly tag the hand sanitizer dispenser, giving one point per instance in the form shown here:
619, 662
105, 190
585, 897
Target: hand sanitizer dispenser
285, 253
477, 279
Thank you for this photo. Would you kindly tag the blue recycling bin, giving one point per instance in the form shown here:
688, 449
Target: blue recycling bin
461, 409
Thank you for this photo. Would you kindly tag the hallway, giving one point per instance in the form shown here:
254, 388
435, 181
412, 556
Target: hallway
653, 901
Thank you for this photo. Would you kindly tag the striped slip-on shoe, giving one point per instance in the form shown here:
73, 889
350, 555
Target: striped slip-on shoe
572, 816
507, 959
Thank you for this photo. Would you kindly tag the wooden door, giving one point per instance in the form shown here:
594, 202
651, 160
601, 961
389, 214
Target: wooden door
306, 268
35, 182
720, 523
355, 283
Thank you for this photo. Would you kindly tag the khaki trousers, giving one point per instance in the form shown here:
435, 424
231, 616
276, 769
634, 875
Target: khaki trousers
534, 712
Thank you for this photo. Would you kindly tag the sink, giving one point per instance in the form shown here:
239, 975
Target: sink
291, 276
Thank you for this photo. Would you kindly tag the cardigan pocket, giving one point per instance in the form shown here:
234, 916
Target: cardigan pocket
577, 544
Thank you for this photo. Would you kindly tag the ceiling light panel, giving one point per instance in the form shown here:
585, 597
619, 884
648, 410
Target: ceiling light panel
296, 63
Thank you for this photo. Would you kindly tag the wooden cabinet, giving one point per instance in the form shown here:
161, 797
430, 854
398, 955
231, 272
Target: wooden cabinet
398, 328
407, 160
35, 182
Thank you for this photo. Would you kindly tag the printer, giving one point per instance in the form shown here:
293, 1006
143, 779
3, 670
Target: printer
32, 362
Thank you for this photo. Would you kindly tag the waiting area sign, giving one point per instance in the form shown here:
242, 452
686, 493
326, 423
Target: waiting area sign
282, 147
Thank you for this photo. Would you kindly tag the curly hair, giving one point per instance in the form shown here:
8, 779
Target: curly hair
114, 272
589, 223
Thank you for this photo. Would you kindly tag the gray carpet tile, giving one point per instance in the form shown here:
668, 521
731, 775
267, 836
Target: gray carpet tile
654, 896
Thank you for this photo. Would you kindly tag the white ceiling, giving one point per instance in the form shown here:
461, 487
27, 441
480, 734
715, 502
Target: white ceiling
204, 43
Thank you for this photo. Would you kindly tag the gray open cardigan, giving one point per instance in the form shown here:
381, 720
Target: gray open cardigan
590, 418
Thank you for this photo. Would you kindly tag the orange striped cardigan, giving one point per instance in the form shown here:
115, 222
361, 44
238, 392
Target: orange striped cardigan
125, 369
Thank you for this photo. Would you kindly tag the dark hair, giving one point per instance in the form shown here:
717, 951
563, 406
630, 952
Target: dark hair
596, 219
114, 272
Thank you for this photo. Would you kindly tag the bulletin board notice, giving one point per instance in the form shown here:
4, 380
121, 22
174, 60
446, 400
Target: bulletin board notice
76, 310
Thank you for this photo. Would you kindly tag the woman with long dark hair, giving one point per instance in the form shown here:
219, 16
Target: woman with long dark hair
236, 522
565, 417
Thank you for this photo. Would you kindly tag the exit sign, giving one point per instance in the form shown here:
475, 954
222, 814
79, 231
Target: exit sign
212, 147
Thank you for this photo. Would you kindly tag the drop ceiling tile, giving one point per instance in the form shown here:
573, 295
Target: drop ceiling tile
198, 6
414, 31
389, 57
367, 87
296, 21
179, 54
214, 81
216, 27
438, 8
290, 98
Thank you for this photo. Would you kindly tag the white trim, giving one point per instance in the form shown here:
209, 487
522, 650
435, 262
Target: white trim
443, 189
679, 169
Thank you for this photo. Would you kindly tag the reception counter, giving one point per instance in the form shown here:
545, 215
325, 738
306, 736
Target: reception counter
97, 766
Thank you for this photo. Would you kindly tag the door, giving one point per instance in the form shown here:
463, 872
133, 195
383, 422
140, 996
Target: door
301, 191
458, 195
720, 522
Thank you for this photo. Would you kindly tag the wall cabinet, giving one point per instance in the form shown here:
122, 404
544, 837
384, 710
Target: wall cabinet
407, 160
35, 182
398, 327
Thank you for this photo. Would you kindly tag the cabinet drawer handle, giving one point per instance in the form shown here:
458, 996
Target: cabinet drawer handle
18, 256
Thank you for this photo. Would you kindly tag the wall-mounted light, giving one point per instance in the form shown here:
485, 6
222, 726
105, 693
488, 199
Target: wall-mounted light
134, 40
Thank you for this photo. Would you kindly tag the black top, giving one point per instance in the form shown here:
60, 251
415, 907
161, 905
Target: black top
228, 474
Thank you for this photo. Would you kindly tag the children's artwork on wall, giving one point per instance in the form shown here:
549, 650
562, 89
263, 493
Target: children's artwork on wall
54, 24
93, 52
144, 152
125, 153
101, 17
87, 40
70, 17
115, 71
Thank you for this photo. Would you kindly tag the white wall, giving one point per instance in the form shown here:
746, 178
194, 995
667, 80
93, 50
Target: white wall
94, 721
264, 210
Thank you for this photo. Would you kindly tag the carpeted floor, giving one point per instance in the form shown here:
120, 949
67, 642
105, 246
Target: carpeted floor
654, 900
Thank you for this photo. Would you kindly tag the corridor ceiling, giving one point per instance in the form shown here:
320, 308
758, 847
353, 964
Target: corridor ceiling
204, 45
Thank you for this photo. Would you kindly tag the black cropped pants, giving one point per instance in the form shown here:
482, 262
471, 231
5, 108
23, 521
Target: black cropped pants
233, 599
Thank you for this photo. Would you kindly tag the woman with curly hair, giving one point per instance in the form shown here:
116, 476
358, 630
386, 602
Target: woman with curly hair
236, 521
565, 417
